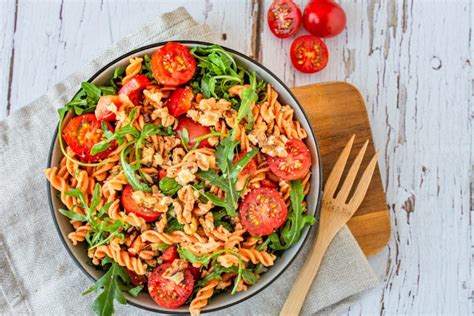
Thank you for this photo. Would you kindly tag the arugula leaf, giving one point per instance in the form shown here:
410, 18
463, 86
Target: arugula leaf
228, 180
173, 225
205, 259
111, 288
117, 77
199, 139
249, 277
136, 290
91, 90
169, 186
185, 139
129, 171
161, 246
297, 219
146, 68
73, 215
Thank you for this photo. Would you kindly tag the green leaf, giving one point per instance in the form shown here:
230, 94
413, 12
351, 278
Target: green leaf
73, 215
173, 225
91, 90
169, 186
160, 246
129, 172
248, 97
136, 290
185, 138
212, 177
110, 285
107, 90
243, 161
249, 277
205, 259
296, 221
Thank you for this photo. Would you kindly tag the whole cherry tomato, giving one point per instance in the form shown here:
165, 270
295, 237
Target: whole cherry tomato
324, 18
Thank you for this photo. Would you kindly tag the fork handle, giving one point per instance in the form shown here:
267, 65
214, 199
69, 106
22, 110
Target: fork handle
294, 301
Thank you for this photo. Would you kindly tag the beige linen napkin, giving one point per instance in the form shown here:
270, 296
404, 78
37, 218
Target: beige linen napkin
37, 275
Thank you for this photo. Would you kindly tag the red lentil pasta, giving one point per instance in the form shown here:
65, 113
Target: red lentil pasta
182, 183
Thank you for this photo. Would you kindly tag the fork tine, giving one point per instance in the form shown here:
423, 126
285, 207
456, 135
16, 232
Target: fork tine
347, 185
363, 185
336, 173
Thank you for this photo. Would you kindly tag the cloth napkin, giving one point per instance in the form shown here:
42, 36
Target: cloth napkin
38, 276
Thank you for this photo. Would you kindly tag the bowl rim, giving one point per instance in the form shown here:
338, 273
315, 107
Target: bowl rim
275, 77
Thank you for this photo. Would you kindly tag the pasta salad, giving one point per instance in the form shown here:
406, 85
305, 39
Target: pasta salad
185, 177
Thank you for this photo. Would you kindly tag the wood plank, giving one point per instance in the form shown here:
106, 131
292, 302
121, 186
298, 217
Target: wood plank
49, 49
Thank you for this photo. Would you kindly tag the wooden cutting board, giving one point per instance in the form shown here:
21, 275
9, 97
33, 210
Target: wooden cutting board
337, 110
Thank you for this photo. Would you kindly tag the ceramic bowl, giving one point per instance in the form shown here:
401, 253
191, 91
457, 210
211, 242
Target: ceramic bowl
143, 300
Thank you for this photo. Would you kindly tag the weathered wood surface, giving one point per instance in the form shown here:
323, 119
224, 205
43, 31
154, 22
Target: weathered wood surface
411, 61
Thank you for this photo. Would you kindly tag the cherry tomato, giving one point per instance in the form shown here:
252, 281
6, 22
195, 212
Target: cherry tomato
136, 279
266, 183
131, 206
194, 130
162, 174
107, 107
262, 211
309, 54
324, 18
284, 18
173, 64
134, 87
195, 272
82, 133
250, 168
294, 166
179, 101
169, 254
166, 292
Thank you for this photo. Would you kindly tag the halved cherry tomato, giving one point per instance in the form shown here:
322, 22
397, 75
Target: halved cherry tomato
107, 107
169, 254
82, 133
179, 101
131, 206
194, 130
135, 278
266, 183
309, 54
134, 87
166, 292
250, 168
284, 18
324, 18
173, 64
294, 166
262, 211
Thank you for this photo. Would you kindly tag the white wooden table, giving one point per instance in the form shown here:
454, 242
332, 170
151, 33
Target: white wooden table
412, 60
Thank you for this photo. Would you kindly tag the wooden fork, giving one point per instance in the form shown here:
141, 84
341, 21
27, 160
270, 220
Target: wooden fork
335, 213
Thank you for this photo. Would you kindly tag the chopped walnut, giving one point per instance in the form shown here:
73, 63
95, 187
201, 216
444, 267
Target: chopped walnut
209, 111
161, 116
154, 98
275, 146
147, 155
258, 135
156, 202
